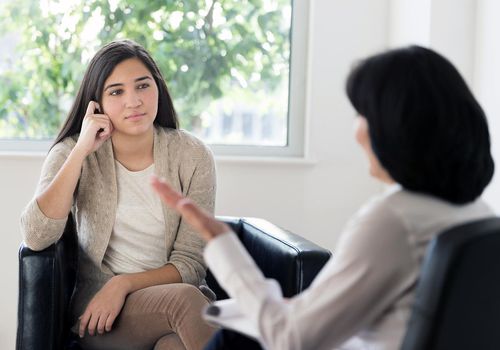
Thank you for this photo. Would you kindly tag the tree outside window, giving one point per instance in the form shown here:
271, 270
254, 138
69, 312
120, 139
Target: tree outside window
226, 62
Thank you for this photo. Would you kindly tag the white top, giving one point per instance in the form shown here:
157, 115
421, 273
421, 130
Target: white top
362, 297
137, 241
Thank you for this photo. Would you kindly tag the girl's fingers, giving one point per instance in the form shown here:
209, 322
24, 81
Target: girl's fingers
93, 324
101, 123
110, 321
92, 106
104, 123
102, 323
84, 320
101, 117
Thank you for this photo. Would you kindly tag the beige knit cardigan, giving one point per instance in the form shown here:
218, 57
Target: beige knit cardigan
183, 160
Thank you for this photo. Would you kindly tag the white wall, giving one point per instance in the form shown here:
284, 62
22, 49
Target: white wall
487, 82
448, 26
412, 22
18, 176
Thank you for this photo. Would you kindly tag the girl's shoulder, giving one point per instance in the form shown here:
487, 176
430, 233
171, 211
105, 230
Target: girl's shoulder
65, 145
181, 139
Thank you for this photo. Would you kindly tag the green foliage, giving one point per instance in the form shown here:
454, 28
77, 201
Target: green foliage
204, 48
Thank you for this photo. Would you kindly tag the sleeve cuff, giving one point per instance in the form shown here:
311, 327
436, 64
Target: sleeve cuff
226, 255
239, 275
187, 274
236, 271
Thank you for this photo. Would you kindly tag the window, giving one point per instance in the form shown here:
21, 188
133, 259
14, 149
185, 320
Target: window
226, 63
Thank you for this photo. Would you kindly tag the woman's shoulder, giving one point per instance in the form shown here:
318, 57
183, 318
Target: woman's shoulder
379, 219
397, 204
381, 208
426, 213
182, 140
65, 145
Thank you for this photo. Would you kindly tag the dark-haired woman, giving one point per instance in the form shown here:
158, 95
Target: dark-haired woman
140, 283
423, 134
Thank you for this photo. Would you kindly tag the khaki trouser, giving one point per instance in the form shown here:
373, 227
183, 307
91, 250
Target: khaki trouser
159, 317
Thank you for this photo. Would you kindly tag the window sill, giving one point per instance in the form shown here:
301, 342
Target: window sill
300, 161
22, 154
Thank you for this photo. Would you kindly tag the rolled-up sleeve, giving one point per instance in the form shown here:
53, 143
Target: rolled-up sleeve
38, 230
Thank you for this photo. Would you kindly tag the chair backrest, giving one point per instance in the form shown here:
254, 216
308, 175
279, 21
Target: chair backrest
284, 256
457, 303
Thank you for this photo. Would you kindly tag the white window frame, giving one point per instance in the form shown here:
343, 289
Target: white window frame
296, 95
296, 104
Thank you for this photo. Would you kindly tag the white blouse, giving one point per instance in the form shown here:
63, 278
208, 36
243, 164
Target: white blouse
137, 242
362, 298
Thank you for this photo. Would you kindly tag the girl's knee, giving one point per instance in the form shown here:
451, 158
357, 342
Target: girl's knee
188, 292
179, 296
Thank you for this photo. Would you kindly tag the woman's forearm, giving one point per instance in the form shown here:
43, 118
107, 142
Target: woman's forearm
56, 201
162, 275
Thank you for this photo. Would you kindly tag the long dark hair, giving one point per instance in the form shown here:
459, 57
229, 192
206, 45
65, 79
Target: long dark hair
426, 128
99, 69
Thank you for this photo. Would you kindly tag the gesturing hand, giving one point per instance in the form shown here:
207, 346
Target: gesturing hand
202, 221
96, 128
104, 307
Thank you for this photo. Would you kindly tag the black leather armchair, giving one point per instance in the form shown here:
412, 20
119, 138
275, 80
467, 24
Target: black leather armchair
46, 278
457, 304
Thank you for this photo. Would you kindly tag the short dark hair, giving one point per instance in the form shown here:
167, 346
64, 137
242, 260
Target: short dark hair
99, 69
426, 128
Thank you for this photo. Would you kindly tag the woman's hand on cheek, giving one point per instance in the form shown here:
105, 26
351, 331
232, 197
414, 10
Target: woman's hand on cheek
104, 307
96, 129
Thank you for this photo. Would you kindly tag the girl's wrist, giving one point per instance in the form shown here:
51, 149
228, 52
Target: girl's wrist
79, 153
123, 283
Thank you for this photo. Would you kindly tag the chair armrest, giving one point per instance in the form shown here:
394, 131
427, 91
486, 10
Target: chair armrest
46, 282
284, 256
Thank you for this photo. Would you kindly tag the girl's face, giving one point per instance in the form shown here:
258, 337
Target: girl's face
363, 138
130, 98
